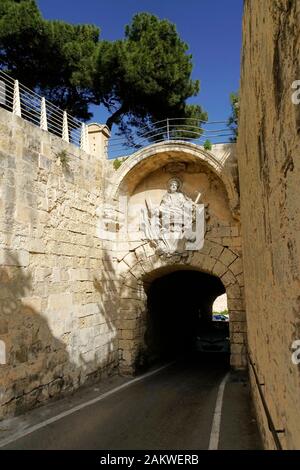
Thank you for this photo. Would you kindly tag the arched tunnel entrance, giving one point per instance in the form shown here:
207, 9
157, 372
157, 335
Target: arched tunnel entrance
180, 318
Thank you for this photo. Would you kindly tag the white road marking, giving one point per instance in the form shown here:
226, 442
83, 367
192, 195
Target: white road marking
216, 425
43, 424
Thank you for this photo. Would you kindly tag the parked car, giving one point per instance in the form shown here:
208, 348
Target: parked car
220, 317
214, 339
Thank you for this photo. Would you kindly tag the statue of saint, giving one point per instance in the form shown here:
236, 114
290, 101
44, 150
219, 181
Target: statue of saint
172, 224
176, 211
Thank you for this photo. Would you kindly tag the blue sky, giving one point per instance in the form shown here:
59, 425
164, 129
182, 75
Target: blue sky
212, 29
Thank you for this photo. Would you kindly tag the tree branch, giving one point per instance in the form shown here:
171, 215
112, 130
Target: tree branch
114, 118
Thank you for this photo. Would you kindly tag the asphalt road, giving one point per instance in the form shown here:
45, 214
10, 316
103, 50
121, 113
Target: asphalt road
173, 409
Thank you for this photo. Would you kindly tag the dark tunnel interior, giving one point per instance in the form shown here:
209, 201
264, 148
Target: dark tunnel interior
179, 315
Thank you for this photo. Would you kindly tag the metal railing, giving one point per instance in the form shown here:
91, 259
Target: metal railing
23, 102
34, 108
271, 425
183, 129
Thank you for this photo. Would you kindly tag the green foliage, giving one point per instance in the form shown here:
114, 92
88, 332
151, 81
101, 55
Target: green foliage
149, 73
224, 312
207, 145
140, 79
234, 117
22, 32
63, 158
118, 162
53, 57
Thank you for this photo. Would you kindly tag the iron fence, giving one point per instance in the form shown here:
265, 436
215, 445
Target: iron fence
183, 129
32, 107
25, 103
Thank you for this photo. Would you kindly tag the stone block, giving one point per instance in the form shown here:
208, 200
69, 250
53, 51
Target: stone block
237, 349
36, 246
24, 214
228, 278
62, 302
238, 338
140, 253
33, 303
44, 162
240, 279
237, 316
130, 259
235, 231
123, 268
198, 259
14, 257
85, 338
227, 257
207, 246
234, 292
137, 271
237, 267
232, 241
236, 304
216, 251
80, 274
221, 231
208, 264
237, 361
219, 269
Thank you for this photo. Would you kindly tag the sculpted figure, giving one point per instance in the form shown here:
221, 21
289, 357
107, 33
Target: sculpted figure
171, 226
176, 210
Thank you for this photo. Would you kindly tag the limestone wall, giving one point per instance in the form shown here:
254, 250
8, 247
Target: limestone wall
54, 322
269, 169
72, 299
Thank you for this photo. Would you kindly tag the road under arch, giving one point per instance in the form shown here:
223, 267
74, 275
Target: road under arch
179, 316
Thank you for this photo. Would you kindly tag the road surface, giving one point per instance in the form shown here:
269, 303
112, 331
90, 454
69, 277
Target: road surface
174, 408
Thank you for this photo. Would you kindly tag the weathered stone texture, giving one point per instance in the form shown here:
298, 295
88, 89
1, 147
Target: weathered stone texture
73, 299
144, 176
53, 317
269, 169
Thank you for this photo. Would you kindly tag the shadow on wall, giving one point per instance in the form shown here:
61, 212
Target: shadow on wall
39, 366
34, 358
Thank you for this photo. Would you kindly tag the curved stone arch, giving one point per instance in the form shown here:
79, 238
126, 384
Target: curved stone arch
170, 149
141, 266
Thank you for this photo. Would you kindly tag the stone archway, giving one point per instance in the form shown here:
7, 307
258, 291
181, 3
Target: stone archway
131, 262
143, 264
155, 156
